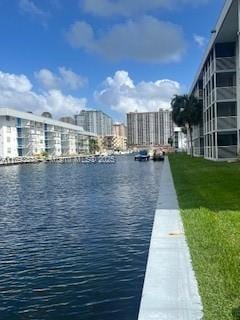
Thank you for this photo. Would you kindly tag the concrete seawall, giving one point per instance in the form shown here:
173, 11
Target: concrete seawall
170, 289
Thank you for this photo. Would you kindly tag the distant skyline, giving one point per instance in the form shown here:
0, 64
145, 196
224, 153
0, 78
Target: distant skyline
119, 56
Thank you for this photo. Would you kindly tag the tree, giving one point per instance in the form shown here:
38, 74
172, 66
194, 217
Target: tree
187, 112
93, 146
170, 141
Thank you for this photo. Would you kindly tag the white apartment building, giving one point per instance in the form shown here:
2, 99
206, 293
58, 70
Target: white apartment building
149, 128
26, 134
179, 139
217, 83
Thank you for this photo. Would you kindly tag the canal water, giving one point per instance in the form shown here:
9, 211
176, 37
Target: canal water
74, 239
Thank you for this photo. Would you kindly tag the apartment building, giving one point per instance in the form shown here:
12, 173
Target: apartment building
217, 83
149, 128
26, 134
119, 129
115, 143
95, 121
179, 139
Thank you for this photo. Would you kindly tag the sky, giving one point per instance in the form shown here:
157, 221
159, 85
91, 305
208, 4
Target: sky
118, 56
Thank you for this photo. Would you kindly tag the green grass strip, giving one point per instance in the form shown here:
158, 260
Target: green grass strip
209, 198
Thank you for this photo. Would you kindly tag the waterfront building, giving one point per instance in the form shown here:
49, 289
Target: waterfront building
179, 139
149, 128
217, 83
67, 120
115, 143
95, 121
119, 129
26, 134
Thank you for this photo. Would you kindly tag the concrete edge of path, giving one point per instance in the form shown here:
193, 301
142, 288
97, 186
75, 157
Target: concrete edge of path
170, 290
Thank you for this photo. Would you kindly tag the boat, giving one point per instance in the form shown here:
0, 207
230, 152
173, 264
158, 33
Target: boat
158, 156
143, 155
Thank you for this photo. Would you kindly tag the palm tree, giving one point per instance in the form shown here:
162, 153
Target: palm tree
93, 146
187, 112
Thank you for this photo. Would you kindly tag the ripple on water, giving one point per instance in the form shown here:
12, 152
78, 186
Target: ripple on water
74, 239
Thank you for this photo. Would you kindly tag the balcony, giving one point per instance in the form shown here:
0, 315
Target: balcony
49, 130
226, 64
209, 126
226, 123
23, 146
227, 152
225, 93
23, 126
25, 138
50, 139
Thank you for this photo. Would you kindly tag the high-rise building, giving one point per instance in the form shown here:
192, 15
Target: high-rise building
95, 121
217, 84
119, 129
149, 128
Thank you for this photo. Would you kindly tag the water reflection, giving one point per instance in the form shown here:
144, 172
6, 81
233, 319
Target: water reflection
74, 239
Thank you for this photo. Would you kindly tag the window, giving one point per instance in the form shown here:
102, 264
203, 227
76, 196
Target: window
8, 129
9, 150
226, 109
227, 139
226, 49
7, 118
8, 139
226, 79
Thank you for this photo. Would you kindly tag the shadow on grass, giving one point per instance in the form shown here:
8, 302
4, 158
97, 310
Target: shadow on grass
236, 313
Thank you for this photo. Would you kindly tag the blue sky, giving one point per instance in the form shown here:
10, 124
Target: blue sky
118, 56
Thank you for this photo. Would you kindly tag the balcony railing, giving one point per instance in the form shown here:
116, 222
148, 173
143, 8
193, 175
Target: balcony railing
226, 123
209, 126
198, 151
213, 95
49, 130
226, 64
227, 152
23, 126
210, 152
212, 67
226, 93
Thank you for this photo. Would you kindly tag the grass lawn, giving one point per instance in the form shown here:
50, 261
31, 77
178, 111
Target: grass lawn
209, 197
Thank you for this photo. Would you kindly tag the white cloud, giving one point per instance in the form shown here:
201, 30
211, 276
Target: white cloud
201, 41
146, 39
47, 78
60, 104
80, 35
130, 8
71, 79
121, 94
29, 7
18, 83
65, 79
16, 91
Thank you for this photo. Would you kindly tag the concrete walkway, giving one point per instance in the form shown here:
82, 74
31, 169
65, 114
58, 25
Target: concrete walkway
170, 289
